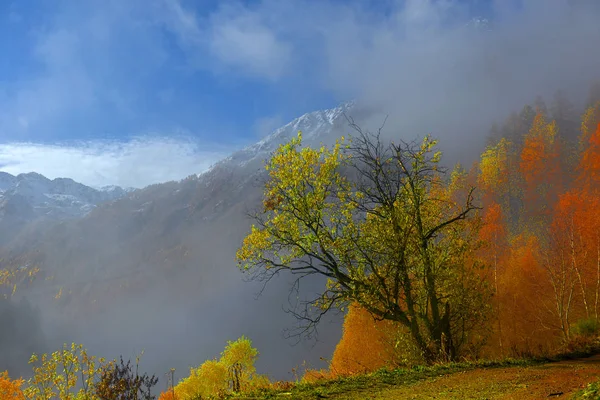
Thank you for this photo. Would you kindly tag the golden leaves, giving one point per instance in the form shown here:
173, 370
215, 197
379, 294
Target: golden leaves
305, 188
493, 166
59, 374
234, 371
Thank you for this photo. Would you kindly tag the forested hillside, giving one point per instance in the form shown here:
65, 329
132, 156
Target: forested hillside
537, 243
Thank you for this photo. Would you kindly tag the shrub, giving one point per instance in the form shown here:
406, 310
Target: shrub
586, 327
66, 374
315, 375
121, 382
168, 395
592, 391
234, 372
208, 380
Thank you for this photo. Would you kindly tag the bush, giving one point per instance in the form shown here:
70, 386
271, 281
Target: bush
234, 372
586, 327
167, 395
315, 375
592, 391
121, 382
208, 380
66, 374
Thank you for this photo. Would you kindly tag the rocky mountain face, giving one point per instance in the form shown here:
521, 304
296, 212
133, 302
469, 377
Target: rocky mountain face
157, 265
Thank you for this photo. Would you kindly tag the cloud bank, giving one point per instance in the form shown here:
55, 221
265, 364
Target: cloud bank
135, 163
429, 64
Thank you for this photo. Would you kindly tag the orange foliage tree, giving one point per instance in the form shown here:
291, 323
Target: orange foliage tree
167, 395
366, 344
589, 166
494, 235
10, 389
540, 167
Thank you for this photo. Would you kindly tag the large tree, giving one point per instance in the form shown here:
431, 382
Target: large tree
382, 225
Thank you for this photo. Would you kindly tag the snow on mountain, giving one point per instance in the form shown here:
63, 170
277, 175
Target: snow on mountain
116, 189
57, 198
315, 126
35, 195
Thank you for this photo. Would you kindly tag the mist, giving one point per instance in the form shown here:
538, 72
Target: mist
426, 66
20, 335
453, 80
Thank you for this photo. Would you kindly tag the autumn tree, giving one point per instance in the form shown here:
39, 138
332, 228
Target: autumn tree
69, 373
495, 237
540, 167
10, 389
209, 379
239, 357
370, 221
587, 193
234, 372
525, 297
368, 344
589, 166
167, 395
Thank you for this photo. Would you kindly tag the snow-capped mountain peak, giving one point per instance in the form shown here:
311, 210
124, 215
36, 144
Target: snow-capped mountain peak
315, 126
57, 198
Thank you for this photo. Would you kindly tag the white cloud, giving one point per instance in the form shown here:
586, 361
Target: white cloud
231, 39
242, 40
419, 61
136, 163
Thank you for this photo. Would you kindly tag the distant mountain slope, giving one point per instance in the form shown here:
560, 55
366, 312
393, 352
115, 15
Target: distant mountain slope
26, 198
171, 245
58, 198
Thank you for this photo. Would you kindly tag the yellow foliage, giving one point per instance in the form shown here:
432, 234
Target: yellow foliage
10, 277
58, 375
233, 372
493, 174
210, 379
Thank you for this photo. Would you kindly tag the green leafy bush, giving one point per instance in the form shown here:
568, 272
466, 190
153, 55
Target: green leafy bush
592, 391
586, 327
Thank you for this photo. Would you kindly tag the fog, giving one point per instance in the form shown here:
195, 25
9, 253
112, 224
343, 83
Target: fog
424, 64
453, 80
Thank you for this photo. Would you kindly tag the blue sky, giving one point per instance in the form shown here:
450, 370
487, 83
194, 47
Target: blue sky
92, 88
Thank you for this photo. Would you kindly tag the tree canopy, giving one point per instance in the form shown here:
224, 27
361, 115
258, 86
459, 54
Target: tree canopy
385, 228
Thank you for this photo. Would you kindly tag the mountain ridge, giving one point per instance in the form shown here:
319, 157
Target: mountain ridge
55, 198
171, 245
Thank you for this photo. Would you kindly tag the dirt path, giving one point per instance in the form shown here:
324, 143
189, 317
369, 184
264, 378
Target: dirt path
554, 380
